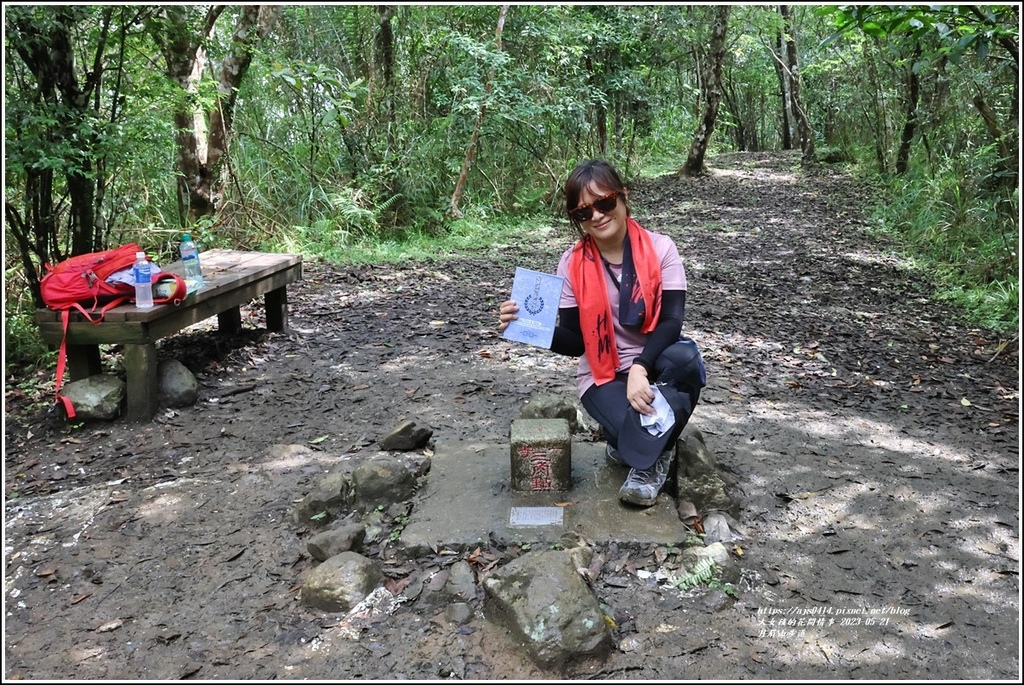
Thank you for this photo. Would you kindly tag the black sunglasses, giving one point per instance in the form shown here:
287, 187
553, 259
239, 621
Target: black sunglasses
602, 204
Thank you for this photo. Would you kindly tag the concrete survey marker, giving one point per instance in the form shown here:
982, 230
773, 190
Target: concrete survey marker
468, 502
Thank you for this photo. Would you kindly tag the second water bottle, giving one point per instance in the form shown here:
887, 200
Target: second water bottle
190, 260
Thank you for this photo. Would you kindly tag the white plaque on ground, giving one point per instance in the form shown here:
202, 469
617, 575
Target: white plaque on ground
536, 516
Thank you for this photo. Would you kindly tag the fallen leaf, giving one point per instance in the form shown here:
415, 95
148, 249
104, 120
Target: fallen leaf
966, 402
317, 441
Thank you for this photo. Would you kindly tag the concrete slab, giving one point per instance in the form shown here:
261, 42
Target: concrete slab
468, 502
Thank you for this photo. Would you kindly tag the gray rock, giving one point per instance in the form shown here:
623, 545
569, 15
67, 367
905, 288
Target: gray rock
329, 543
382, 481
408, 435
458, 613
455, 583
328, 501
442, 587
341, 582
97, 397
461, 583
551, 407
716, 528
697, 478
542, 598
178, 387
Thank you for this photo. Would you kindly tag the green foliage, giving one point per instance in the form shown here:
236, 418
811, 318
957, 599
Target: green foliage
348, 138
960, 236
22, 344
705, 572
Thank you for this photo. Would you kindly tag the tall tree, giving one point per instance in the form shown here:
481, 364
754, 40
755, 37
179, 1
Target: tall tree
792, 66
785, 90
45, 46
460, 184
64, 124
910, 117
204, 124
712, 95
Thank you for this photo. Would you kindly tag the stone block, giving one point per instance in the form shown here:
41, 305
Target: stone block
541, 455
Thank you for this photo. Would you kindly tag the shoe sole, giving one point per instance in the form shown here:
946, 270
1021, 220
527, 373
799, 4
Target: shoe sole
639, 501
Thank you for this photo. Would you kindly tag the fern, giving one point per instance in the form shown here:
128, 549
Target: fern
703, 572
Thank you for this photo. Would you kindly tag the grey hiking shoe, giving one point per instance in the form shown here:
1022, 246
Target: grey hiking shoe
611, 455
642, 487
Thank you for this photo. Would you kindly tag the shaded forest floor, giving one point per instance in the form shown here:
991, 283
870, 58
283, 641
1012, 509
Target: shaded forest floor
875, 437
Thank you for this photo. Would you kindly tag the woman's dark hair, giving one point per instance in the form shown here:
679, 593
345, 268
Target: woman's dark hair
595, 171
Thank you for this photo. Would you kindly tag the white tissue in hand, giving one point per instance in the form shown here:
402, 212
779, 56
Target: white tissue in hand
663, 418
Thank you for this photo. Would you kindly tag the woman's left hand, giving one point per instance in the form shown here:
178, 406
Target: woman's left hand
638, 390
507, 314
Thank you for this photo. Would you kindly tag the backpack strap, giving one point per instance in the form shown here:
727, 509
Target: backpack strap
62, 354
62, 358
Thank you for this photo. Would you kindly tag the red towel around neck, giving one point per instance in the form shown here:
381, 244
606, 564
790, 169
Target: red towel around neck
640, 293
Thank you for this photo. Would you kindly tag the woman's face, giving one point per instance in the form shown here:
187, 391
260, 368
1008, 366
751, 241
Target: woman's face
606, 227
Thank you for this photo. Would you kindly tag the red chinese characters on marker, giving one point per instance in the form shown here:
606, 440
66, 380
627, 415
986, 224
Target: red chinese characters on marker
540, 460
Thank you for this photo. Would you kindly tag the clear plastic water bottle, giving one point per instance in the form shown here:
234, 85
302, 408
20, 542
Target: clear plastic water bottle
190, 260
142, 274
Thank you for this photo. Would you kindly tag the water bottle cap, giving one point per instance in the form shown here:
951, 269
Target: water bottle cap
140, 255
186, 237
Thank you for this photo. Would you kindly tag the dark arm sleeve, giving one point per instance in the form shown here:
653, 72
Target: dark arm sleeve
670, 325
568, 338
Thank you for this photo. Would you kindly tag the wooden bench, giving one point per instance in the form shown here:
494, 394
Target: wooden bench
232, 277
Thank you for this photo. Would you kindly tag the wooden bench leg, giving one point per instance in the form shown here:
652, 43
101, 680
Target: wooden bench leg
229, 321
83, 361
143, 383
275, 303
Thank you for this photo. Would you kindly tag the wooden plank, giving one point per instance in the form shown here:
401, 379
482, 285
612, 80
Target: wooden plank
90, 334
174, 319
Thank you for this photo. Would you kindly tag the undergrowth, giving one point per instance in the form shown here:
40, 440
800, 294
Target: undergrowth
965, 236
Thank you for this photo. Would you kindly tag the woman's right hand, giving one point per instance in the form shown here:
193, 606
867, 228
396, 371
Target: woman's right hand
506, 313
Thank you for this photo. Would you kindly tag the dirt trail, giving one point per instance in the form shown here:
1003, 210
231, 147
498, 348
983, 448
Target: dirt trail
875, 437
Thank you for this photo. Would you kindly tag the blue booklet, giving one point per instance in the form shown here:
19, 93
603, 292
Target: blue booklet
537, 295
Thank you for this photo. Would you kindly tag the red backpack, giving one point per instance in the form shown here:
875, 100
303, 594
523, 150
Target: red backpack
80, 283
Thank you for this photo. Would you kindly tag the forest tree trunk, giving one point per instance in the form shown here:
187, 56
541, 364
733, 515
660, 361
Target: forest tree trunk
385, 57
203, 137
460, 184
803, 126
694, 165
46, 49
910, 122
785, 94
